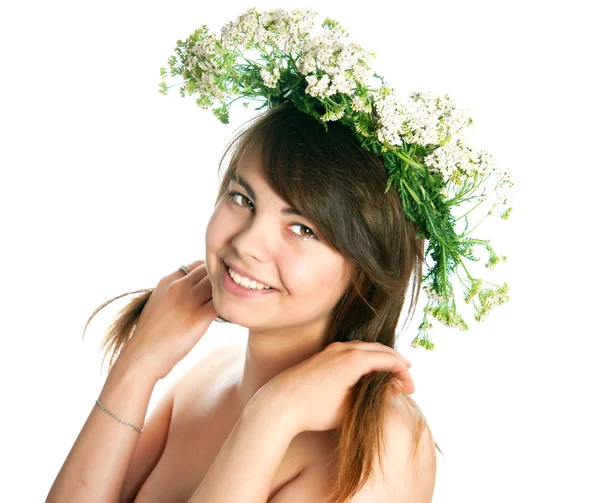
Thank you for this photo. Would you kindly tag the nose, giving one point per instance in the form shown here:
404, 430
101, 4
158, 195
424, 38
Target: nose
254, 241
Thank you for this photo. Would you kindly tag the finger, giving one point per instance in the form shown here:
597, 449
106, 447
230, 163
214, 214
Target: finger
197, 273
210, 312
202, 291
206, 314
179, 274
196, 265
383, 361
376, 346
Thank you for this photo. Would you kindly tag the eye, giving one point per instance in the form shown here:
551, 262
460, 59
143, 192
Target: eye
233, 195
311, 234
302, 235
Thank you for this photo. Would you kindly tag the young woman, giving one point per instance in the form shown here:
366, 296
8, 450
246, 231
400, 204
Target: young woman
309, 251
307, 405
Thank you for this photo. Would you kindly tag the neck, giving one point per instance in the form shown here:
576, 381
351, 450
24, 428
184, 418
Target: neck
268, 354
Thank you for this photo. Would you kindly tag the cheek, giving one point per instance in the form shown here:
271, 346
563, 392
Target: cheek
318, 277
214, 239
216, 229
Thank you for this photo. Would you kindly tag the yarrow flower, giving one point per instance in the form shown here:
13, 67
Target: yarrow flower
457, 161
277, 28
278, 57
270, 79
488, 298
358, 105
421, 119
342, 65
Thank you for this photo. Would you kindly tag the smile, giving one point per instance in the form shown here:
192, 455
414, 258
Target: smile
247, 283
237, 288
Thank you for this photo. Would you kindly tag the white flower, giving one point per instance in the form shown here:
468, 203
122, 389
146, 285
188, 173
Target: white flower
242, 30
311, 80
432, 294
389, 120
284, 30
422, 118
333, 116
337, 64
358, 105
205, 55
318, 88
207, 85
457, 160
341, 84
344, 63
270, 79
306, 66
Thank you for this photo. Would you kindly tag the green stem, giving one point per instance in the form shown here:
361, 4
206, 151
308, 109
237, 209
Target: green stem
465, 214
405, 158
491, 284
462, 282
411, 192
480, 222
472, 229
466, 190
465, 268
178, 84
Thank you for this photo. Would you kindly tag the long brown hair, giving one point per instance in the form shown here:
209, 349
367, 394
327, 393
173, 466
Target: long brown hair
336, 183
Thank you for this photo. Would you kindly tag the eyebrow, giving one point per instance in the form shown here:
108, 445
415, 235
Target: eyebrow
286, 210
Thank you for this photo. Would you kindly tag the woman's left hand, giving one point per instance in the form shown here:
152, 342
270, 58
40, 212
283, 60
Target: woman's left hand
311, 395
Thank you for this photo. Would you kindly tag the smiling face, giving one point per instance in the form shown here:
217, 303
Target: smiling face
256, 232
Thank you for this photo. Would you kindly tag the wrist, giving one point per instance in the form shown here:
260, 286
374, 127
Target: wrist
131, 377
273, 412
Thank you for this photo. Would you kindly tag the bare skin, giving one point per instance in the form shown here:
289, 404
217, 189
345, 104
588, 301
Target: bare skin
192, 447
200, 424
183, 438
285, 328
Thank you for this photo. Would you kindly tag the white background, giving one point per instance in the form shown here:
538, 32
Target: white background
106, 186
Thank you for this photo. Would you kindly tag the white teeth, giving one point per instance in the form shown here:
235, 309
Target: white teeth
247, 283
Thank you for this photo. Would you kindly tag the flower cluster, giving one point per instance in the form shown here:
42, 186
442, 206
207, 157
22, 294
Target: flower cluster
332, 66
278, 29
487, 298
422, 118
277, 57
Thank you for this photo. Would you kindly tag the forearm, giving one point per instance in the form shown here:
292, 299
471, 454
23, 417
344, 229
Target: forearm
96, 466
246, 466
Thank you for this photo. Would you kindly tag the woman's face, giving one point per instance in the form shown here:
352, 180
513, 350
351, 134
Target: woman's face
251, 231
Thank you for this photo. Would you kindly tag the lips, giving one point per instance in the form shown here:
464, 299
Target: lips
241, 272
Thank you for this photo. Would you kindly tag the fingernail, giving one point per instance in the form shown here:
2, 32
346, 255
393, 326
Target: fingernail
397, 385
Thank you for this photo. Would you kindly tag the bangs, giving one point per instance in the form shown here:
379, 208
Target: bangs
301, 163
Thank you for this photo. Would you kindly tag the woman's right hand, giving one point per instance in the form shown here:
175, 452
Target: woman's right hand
174, 319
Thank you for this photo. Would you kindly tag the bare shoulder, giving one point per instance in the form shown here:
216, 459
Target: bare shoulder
409, 463
408, 466
213, 361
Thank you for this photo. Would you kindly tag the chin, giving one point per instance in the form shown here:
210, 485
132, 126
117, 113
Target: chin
233, 315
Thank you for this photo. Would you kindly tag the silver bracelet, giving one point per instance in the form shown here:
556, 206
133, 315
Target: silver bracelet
139, 430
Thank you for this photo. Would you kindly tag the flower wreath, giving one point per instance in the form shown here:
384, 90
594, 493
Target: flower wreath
274, 57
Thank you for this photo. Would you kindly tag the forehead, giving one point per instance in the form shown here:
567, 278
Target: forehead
249, 174
250, 164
